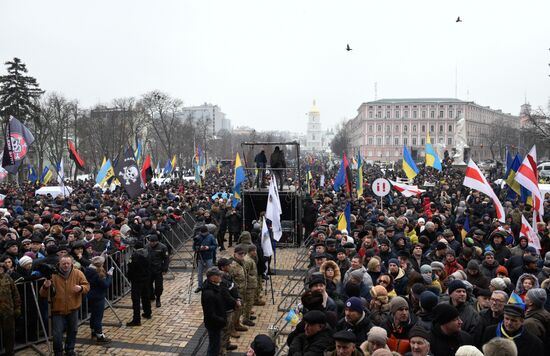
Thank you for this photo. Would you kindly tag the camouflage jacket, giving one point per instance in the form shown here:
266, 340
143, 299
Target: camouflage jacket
251, 272
237, 271
10, 302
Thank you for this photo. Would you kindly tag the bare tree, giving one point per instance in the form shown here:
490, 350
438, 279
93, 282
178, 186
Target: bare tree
162, 119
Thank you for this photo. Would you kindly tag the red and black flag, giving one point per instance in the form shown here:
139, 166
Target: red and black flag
18, 139
147, 170
344, 176
75, 156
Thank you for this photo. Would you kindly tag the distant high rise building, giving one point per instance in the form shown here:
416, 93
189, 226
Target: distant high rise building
211, 113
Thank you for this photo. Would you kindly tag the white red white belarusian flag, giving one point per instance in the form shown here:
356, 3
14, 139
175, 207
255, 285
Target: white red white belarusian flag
528, 178
474, 179
527, 231
2, 197
407, 190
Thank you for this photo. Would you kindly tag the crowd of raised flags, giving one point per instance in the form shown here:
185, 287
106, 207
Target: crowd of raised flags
521, 178
18, 140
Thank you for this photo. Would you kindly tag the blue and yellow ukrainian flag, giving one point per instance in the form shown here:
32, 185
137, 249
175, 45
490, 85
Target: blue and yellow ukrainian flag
432, 160
513, 186
33, 177
344, 219
106, 172
516, 299
173, 163
137, 152
408, 164
359, 182
167, 168
46, 175
238, 178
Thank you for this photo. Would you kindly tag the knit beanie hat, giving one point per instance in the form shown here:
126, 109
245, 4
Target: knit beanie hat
473, 265
396, 303
394, 261
25, 260
419, 331
378, 335
428, 300
443, 313
437, 265
502, 270
498, 283
425, 269
263, 345
537, 296
355, 304
468, 350
454, 285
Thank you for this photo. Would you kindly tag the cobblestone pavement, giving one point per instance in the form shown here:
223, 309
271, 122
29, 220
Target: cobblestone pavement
176, 328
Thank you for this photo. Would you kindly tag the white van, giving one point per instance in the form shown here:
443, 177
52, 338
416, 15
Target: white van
544, 170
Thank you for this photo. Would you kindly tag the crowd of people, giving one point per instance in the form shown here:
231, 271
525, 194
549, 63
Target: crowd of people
434, 274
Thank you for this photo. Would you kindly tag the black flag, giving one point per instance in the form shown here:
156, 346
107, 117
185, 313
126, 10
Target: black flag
17, 141
127, 172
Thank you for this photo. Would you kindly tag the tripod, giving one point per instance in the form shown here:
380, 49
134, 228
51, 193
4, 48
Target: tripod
191, 278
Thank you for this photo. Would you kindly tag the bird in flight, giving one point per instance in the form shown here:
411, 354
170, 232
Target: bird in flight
458, 19
348, 48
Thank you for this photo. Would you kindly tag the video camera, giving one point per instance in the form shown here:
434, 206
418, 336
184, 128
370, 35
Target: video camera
47, 270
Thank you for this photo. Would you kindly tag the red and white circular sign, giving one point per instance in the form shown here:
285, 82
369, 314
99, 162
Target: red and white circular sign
381, 187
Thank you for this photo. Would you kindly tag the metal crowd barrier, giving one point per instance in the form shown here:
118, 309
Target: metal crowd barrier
34, 324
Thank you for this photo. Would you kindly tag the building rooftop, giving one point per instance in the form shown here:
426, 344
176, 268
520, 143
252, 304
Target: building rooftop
314, 108
416, 100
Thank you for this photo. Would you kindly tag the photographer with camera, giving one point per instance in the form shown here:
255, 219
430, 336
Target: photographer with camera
65, 289
204, 245
10, 309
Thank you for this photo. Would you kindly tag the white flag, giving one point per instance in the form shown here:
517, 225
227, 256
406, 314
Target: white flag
60, 174
527, 231
266, 241
273, 210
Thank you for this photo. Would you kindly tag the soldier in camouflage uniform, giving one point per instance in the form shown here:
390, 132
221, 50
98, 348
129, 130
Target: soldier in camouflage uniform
10, 309
237, 272
251, 286
227, 282
246, 239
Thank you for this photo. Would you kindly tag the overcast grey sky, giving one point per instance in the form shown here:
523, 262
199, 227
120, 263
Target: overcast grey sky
264, 62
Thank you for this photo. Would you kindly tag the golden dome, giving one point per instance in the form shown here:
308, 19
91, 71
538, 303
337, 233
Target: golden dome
314, 108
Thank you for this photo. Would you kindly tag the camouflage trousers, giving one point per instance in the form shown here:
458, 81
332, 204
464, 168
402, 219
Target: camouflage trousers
258, 295
236, 317
248, 302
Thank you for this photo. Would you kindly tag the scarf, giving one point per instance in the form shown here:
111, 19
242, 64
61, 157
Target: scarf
502, 333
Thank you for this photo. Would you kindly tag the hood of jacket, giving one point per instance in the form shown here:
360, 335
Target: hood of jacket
245, 238
334, 266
